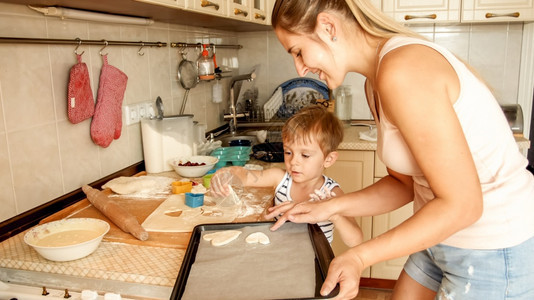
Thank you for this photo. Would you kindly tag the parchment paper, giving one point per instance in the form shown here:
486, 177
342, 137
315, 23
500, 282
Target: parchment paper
283, 269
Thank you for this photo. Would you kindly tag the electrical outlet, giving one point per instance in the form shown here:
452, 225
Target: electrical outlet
150, 111
131, 114
141, 107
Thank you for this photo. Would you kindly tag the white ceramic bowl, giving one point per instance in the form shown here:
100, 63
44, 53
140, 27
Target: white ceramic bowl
193, 171
67, 239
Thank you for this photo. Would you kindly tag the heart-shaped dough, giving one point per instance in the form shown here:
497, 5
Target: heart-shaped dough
221, 238
258, 237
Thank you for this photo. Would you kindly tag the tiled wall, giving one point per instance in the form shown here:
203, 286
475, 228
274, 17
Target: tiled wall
44, 156
494, 50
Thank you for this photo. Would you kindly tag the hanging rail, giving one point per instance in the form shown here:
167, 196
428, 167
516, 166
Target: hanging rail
191, 45
13, 40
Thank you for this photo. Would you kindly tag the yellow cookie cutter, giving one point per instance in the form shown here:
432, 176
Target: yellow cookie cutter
180, 187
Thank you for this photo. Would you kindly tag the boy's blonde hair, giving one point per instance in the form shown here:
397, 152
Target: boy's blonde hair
314, 123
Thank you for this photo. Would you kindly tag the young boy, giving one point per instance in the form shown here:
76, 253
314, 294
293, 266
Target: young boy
310, 139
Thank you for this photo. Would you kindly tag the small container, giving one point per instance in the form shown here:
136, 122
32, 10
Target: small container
206, 180
206, 67
181, 187
343, 105
194, 200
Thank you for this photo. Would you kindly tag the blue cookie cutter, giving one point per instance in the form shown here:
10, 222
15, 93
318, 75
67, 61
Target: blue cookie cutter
194, 200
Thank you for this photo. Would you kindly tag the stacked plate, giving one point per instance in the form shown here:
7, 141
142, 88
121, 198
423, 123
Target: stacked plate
235, 155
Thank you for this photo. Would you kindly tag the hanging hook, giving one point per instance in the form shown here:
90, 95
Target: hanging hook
105, 45
139, 51
183, 52
79, 44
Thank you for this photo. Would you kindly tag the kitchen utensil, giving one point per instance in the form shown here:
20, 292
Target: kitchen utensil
188, 77
159, 108
118, 215
67, 239
514, 115
269, 152
191, 166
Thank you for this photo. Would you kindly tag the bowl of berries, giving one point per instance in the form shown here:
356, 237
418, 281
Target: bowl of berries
193, 166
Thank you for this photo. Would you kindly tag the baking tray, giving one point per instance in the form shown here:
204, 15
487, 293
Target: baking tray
321, 247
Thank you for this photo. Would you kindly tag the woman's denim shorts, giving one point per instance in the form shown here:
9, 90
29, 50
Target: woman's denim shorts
456, 273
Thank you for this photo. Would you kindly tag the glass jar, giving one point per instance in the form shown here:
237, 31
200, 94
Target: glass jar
343, 104
206, 67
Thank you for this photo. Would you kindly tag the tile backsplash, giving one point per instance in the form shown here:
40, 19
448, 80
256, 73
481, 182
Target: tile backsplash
44, 156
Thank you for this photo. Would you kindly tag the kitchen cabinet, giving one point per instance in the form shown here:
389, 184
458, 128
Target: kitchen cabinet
353, 170
167, 3
212, 7
423, 11
497, 10
249, 10
261, 11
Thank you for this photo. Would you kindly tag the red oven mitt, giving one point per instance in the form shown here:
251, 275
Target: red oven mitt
107, 121
80, 102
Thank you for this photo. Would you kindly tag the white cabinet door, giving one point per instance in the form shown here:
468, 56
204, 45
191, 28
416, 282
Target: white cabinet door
353, 170
423, 11
213, 7
261, 11
239, 9
497, 10
390, 269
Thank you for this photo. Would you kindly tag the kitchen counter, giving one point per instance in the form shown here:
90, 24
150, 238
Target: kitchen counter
121, 264
352, 141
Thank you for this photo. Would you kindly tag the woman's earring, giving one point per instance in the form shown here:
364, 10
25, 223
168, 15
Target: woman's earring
334, 38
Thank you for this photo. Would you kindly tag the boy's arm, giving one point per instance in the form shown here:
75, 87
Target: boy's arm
348, 229
239, 176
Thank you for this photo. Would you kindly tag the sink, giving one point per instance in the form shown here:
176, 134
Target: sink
249, 135
228, 138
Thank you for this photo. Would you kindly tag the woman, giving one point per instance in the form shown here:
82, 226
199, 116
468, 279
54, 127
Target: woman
447, 146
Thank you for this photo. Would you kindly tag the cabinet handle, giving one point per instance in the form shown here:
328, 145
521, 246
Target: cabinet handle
259, 16
206, 3
492, 15
411, 17
238, 11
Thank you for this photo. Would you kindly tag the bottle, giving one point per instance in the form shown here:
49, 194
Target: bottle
343, 106
206, 67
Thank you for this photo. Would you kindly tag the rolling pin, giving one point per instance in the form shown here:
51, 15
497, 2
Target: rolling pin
118, 215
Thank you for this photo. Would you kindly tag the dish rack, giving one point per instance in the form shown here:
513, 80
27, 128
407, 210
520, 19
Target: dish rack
270, 108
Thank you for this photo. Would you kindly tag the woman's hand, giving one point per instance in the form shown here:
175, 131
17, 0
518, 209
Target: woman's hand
345, 269
304, 212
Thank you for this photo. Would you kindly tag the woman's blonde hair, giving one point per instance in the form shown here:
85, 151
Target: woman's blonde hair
300, 16
314, 123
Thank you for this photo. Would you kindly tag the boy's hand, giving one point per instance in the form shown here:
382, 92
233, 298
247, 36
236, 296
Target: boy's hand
220, 182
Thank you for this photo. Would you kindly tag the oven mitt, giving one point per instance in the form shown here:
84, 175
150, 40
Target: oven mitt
80, 102
107, 120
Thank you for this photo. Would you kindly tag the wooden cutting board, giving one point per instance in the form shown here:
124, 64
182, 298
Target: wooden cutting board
141, 209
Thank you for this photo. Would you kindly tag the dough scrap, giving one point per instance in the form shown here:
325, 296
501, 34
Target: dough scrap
222, 238
258, 237
125, 185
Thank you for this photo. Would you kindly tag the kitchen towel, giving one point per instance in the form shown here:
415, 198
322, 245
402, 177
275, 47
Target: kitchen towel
80, 101
107, 121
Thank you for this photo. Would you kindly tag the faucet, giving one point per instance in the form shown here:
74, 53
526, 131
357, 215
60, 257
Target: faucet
233, 111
